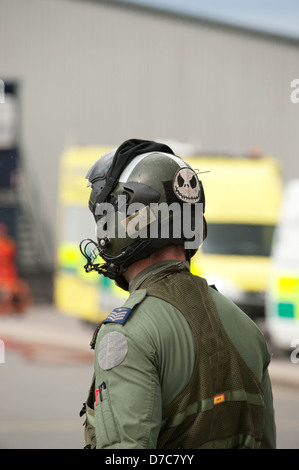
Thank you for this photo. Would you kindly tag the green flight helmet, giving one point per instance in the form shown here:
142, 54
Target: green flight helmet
143, 197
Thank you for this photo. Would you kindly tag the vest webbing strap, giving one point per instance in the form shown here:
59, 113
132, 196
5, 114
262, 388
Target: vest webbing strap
223, 398
208, 404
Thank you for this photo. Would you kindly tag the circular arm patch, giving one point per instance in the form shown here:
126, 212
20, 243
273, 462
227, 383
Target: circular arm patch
113, 349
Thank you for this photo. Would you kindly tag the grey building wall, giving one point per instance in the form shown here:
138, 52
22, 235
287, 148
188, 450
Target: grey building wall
98, 73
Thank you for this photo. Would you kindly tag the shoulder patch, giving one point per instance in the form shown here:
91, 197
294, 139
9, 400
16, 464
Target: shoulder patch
118, 315
113, 349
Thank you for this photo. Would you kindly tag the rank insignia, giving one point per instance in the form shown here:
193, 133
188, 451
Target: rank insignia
118, 315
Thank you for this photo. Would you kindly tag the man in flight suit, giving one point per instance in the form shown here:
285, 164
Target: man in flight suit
178, 365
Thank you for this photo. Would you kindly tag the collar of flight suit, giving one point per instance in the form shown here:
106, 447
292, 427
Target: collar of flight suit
154, 269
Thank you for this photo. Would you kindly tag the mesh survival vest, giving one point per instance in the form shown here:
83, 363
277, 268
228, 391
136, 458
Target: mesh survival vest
222, 406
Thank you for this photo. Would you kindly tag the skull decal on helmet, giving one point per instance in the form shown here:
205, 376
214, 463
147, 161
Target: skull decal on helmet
186, 185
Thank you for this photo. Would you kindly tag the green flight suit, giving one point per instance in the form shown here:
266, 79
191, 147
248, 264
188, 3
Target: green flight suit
144, 358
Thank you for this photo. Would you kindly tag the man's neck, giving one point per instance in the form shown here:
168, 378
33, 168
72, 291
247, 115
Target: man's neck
170, 252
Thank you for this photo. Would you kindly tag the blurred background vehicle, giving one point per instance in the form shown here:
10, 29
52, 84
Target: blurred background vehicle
15, 293
282, 300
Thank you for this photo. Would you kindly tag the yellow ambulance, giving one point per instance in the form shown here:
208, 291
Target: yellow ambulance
243, 197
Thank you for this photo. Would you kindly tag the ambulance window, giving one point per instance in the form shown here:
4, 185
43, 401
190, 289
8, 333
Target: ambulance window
239, 239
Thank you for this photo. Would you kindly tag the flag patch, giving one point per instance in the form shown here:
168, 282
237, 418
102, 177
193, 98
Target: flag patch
118, 315
219, 399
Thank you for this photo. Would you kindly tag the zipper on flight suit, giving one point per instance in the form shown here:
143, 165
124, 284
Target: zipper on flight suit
102, 387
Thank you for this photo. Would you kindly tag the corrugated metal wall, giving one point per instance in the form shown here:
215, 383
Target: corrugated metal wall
101, 73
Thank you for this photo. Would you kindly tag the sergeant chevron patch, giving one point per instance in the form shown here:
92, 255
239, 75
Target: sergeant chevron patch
118, 315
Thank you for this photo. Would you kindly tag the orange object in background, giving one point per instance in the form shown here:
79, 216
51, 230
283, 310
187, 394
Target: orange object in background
7, 255
15, 295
